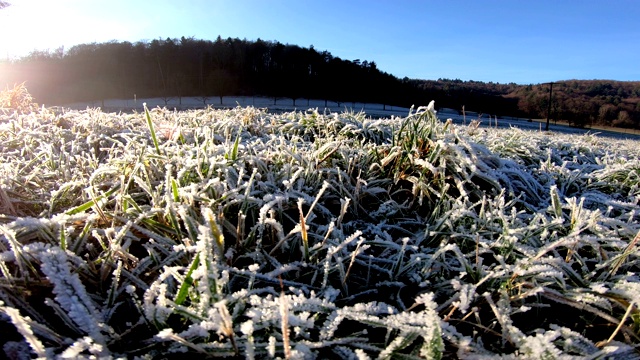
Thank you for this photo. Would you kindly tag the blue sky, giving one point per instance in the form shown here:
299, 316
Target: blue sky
531, 41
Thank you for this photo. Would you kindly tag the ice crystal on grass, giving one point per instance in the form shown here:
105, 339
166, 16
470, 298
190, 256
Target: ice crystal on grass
71, 293
23, 326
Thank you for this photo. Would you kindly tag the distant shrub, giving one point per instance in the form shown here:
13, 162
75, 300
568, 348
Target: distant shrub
623, 120
18, 99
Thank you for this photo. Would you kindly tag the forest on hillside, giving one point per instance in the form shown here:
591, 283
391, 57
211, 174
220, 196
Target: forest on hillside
175, 68
580, 102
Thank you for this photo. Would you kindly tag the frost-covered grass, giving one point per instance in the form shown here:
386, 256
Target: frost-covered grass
303, 235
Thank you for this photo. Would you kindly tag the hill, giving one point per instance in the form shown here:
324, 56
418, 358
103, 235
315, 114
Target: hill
581, 102
584, 102
191, 67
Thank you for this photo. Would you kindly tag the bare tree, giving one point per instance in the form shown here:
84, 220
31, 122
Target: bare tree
222, 83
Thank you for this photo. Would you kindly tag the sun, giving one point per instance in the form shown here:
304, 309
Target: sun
48, 25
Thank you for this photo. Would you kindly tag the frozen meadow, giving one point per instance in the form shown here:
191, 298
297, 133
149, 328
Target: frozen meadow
304, 235
374, 110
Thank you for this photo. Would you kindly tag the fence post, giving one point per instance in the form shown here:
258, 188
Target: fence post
549, 107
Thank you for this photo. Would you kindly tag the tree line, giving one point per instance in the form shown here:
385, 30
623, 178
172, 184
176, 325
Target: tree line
585, 102
202, 68
580, 102
176, 68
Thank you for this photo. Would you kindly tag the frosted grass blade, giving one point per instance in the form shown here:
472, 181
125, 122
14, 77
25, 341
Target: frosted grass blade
86, 206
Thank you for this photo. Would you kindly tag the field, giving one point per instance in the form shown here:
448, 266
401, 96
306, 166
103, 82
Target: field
281, 105
246, 234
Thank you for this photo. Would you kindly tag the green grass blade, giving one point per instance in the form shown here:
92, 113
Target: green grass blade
63, 238
181, 296
233, 154
151, 129
86, 206
174, 190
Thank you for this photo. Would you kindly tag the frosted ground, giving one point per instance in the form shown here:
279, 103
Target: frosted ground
374, 110
243, 233
276, 105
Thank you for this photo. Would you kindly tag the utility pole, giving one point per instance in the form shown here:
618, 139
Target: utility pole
549, 106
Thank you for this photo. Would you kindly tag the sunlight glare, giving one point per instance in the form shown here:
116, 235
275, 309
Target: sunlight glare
48, 25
